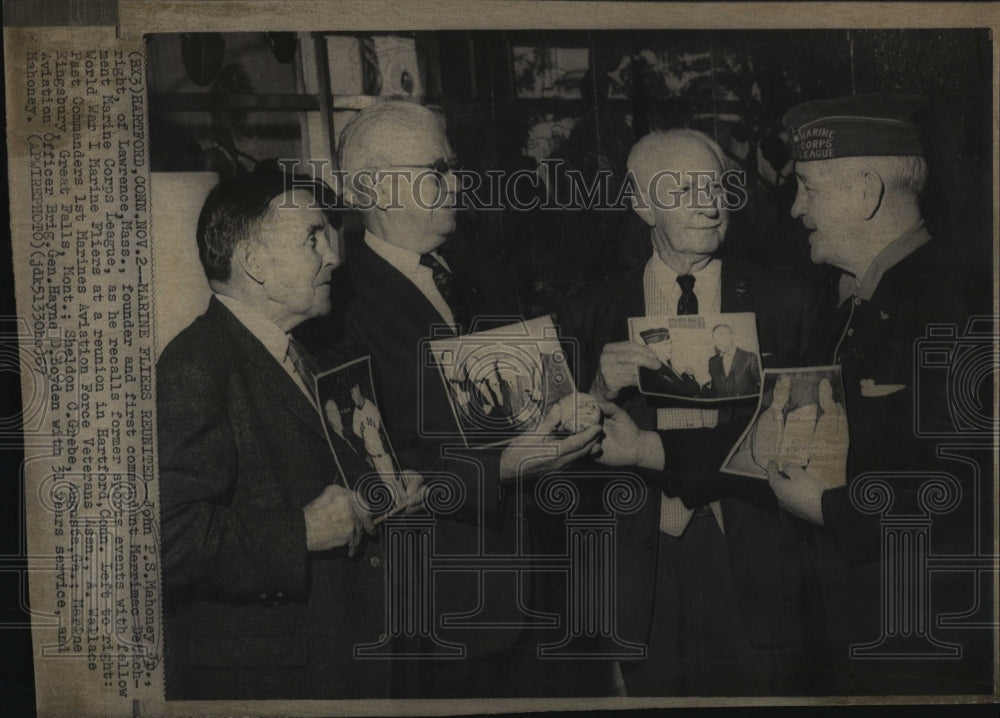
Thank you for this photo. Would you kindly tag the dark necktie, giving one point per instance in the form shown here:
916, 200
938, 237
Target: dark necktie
305, 365
452, 293
688, 303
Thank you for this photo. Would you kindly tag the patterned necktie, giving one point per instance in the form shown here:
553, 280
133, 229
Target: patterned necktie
688, 303
305, 365
452, 293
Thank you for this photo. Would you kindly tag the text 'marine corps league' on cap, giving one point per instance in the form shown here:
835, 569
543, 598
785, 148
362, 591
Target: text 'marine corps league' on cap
873, 125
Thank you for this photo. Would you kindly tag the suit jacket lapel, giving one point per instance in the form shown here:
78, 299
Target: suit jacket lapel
398, 291
633, 301
737, 288
633, 304
885, 303
740, 360
268, 375
465, 284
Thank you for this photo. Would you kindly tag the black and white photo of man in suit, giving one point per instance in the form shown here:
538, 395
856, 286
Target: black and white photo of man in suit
734, 371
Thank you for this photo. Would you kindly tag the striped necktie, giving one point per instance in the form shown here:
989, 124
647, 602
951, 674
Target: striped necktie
451, 291
305, 365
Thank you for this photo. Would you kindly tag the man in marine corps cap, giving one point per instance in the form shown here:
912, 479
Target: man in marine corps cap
860, 169
704, 575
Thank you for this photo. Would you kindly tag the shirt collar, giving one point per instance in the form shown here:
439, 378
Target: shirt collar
402, 259
267, 332
895, 252
711, 272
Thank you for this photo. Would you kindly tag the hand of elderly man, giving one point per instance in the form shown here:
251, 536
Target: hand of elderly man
798, 492
625, 444
334, 519
541, 450
619, 368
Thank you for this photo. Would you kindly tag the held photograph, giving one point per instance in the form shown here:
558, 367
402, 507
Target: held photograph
354, 425
707, 358
800, 422
502, 382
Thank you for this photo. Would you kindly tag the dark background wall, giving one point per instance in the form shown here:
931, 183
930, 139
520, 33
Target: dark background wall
733, 85
476, 85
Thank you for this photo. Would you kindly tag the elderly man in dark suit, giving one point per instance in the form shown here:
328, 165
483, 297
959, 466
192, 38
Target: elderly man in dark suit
860, 169
706, 579
264, 599
398, 167
734, 371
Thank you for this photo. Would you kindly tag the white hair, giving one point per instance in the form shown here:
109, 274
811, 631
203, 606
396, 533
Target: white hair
362, 142
906, 174
654, 142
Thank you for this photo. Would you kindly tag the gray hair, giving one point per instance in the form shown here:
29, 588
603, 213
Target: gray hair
900, 173
906, 173
362, 144
658, 138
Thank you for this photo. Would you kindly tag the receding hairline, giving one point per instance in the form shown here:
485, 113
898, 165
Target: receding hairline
274, 206
362, 144
651, 149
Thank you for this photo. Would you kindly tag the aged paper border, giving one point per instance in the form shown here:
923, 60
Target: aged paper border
145, 16
138, 17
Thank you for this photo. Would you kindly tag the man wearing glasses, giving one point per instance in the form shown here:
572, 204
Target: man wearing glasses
398, 167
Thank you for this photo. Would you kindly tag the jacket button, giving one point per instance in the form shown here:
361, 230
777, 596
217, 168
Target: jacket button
375, 561
651, 543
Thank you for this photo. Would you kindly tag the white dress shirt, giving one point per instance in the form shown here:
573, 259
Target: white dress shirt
409, 264
269, 334
661, 292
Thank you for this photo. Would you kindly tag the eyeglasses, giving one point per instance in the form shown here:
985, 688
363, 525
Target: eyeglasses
439, 167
